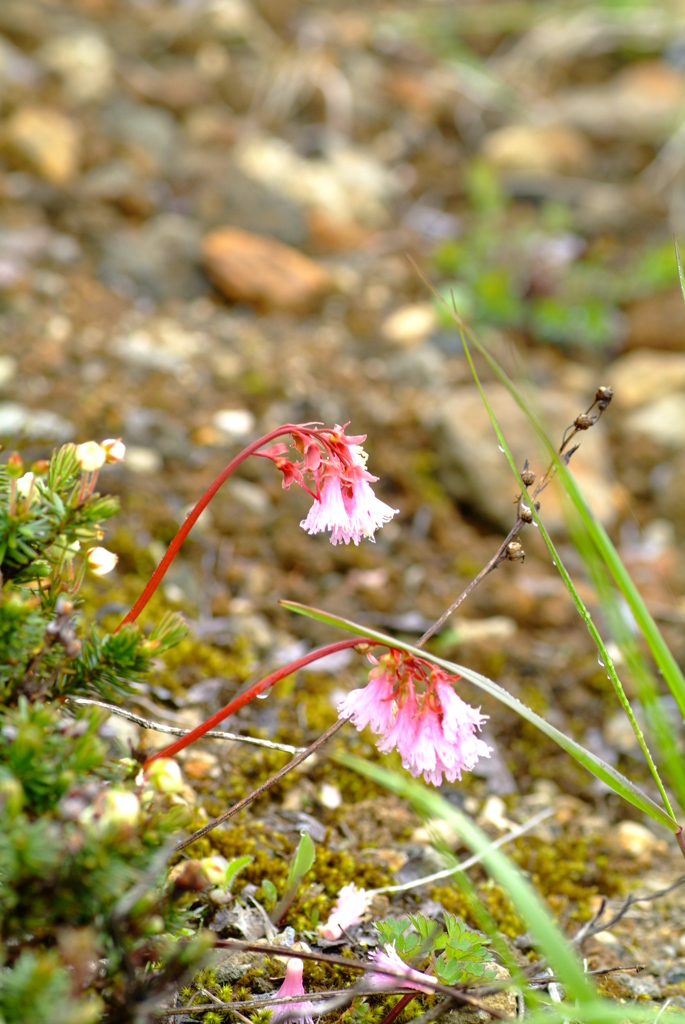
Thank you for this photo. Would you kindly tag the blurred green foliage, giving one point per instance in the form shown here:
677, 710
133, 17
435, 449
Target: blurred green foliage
528, 272
90, 927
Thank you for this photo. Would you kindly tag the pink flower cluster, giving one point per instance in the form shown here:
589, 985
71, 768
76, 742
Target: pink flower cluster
412, 706
344, 501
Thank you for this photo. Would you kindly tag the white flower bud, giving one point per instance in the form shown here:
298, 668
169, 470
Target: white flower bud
165, 776
119, 811
91, 456
214, 868
26, 488
101, 561
115, 449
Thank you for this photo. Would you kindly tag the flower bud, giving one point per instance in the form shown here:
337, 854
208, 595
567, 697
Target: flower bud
40, 467
91, 456
115, 449
25, 487
188, 875
164, 775
119, 811
101, 561
214, 868
11, 794
14, 466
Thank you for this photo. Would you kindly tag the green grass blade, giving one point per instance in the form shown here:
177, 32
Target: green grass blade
661, 729
537, 918
661, 653
570, 586
599, 768
681, 275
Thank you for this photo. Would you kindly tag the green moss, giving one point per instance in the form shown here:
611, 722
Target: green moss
493, 898
193, 660
568, 872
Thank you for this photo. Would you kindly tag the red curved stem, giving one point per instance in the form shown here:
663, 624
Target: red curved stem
194, 515
244, 698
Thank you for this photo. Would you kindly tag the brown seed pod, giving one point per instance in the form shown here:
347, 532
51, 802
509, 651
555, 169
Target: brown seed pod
514, 551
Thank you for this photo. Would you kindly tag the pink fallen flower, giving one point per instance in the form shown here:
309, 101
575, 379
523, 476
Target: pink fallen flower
349, 909
292, 986
391, 961
433, 730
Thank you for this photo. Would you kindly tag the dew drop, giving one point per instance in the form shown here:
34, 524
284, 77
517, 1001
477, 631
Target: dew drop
501, 449
262, 696
553, 562
600, 662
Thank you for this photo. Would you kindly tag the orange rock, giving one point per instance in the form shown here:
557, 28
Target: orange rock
260, 270
44, 140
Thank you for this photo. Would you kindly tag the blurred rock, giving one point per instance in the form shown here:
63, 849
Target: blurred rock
162, 345
8, 369
148, 131
620, 735
84, 62
145, 461
44, 140
662, 421
159, 259
37, 424
15, 67
657, 321
474, 471
234, 424
643, 375
347, 183
524, 147
244, 203
256, 269
178, 88
118, 182
637, 840
641, 103
504, 1002
409, 325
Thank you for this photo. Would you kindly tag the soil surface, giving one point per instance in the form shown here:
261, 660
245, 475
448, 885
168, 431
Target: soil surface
206, 213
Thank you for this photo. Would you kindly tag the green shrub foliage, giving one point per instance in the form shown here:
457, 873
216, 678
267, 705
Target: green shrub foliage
90, 928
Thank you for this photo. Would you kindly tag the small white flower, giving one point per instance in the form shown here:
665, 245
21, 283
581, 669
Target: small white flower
101, 561
91, 456
115, 449
26, 488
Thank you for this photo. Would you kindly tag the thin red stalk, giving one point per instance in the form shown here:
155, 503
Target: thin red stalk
244, 698
194, 515
680, 839
393, 1014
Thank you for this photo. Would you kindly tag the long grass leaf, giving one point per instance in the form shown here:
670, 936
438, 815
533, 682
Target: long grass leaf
661, 653
570, 586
